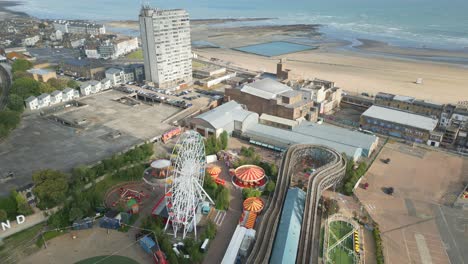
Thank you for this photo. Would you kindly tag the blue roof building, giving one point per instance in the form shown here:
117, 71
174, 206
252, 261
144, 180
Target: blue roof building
289, 229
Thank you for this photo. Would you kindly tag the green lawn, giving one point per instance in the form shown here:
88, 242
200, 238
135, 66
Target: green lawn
108, 260
22, 243
136, 55
340, 255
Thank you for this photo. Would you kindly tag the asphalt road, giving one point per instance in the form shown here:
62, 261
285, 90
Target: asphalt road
5, 83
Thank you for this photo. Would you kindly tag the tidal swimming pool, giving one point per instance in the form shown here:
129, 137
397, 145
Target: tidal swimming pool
274, 48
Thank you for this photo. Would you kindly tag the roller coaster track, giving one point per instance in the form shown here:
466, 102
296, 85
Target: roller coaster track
331, 172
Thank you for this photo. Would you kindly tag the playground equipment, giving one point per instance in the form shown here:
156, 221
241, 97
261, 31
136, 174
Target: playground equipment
184, 191
170, 134
126, 195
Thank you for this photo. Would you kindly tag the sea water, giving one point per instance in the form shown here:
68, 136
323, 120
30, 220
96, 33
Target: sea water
415, 23
275, 48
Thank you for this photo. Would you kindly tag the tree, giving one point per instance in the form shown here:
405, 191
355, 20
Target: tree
224, 138
3, 215
270, 187
75, 214
46, 88
15, 103
251, 192
223, 199
22, 204
9, 119
57, 84
21, 65
210, 231
25, 87
20, 74
50, 187
8, 204
331, 206
73, 84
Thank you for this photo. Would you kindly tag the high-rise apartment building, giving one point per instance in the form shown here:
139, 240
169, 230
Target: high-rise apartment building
165, 37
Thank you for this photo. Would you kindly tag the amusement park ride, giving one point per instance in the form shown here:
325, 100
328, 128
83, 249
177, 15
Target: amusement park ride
184, 188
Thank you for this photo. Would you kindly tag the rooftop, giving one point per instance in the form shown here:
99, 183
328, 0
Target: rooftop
40, 71
56, 92
30, 99
279, 120
113, 71
403, 98
290, 94
67, 90
289, 229
265, 88
314, 134
222, 115
401, 117
42, 96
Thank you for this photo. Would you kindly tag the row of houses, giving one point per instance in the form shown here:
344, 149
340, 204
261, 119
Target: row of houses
45, 100
93, 86
68, 94
110, 48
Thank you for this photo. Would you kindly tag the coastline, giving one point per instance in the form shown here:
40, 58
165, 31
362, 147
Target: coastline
6, 13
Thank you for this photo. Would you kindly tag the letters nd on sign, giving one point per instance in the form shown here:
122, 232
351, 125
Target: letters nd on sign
20, 219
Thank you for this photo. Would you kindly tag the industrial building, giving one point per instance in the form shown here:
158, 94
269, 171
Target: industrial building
165, 37
401, 124
279, 133
42, 75
325, 95
271, 97
83, 68
228, 117
409, 104
289, 229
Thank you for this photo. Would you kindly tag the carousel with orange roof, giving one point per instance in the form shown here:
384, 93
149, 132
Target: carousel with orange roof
249, 176
252, 208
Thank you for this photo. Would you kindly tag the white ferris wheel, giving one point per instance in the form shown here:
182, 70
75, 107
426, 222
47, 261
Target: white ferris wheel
184, 189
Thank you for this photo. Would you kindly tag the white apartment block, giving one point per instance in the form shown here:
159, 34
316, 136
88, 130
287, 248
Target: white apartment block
43, 100
56, 97
125, 46
79, 27
90, 87
106, 84
68, 94
119, 76
31, 41
32, 103
165, 37
96, 86
85, 89
92, 53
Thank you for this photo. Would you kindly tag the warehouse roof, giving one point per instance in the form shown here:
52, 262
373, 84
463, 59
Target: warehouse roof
283, 138
289, 229
279, 120
227, 113
401, 117
39, 71
265, 88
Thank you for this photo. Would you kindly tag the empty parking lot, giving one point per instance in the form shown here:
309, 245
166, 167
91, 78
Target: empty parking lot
107, 127
417, 220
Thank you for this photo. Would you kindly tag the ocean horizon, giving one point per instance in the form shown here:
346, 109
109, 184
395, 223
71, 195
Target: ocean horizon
405, 23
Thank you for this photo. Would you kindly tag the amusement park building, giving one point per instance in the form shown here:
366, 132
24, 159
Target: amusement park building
234, 119
227, 117
289, 229
353, 144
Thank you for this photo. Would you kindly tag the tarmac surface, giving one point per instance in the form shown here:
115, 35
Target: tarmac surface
89, 243
110, 127
417, 222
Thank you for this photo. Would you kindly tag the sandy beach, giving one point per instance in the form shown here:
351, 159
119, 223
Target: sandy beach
371, 67
7, 14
